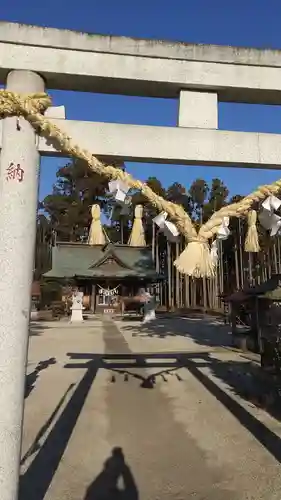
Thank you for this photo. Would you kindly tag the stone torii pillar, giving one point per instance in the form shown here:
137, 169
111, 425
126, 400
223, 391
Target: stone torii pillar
19, 174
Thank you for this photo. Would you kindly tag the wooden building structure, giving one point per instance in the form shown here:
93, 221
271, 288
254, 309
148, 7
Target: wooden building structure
249, 309
105, 273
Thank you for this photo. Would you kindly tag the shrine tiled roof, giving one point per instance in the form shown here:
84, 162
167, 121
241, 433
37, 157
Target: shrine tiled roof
267, 286
272, 294
268, 289
98, 261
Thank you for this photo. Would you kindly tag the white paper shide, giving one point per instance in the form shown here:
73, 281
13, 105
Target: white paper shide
160, 219
169, 228
119, 190
267, 216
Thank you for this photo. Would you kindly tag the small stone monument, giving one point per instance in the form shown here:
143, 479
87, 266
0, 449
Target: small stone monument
33, 312
149, 308
77, 307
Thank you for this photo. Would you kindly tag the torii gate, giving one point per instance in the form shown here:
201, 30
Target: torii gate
33, 58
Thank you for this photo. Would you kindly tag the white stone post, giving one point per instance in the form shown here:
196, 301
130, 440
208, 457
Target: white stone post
19, 168
77, 308
198, 109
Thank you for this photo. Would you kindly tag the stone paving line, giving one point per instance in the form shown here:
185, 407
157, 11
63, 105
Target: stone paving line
179, 438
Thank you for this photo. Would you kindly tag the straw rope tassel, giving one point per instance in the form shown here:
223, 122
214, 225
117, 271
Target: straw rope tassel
137, 236
252, 238
196, 258
96, 234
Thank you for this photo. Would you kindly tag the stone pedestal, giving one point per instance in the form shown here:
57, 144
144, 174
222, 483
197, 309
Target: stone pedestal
149, 310
77, 308
33, 312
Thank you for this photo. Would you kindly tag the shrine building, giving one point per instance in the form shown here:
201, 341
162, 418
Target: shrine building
105, 272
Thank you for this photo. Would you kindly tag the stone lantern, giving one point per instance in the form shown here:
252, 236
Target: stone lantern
269, 320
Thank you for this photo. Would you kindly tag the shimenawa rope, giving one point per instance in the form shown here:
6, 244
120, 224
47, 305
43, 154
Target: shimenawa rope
196, 259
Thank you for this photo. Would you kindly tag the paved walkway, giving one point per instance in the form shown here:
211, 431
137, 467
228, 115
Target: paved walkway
115, 410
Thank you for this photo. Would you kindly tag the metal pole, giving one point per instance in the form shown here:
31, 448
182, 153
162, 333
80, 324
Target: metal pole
18, 205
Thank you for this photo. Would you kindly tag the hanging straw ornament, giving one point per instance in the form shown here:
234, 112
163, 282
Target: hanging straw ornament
96, 233
252, 237
196, 259
137, 236
199, 259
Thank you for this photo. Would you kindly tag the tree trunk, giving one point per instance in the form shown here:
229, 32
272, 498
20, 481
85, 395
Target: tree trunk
241, 255
177, 279
187, 291
169, 275
153, 242
275, 257
236, 265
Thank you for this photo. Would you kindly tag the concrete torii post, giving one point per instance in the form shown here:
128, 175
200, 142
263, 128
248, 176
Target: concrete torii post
19, 175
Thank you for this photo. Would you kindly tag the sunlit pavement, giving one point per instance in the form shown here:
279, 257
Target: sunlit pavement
172, 395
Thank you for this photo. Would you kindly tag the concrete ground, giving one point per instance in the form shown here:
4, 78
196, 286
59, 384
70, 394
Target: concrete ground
118, 410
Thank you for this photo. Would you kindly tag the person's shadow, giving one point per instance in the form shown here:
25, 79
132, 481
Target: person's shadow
106, 485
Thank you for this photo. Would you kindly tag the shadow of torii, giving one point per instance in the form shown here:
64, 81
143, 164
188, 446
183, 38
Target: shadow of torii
193, 362
146, 382
121, 363
36, 480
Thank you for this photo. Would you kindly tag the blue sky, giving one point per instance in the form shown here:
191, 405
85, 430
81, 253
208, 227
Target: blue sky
249, 23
